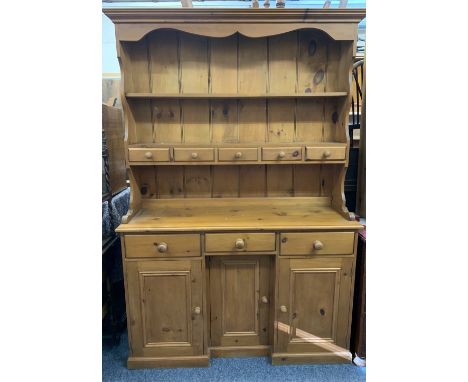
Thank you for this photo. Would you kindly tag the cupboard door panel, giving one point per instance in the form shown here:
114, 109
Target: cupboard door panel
239, 313
314, 305
165, 308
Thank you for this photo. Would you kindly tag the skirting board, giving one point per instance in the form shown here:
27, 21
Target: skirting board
289, 359
240, 351
151, 362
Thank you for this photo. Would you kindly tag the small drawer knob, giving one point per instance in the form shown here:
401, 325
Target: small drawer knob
162, 247
317, 244
238, 155
240, 243
281, 154
283, 308
148, 155
327, 154
194, 155
197, 310
264, 299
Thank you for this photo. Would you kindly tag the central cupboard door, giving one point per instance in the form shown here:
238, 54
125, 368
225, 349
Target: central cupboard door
165, 308
240, 300
314, 297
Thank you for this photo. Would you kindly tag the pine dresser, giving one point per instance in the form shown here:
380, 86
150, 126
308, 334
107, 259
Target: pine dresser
237, 241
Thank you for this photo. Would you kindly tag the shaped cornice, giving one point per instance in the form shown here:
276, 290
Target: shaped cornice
132, 24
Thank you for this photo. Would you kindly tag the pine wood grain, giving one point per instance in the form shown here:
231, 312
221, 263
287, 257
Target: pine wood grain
249, 214
164, 62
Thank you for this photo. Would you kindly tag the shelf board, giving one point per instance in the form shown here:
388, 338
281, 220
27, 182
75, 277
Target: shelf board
240, 214
235, 96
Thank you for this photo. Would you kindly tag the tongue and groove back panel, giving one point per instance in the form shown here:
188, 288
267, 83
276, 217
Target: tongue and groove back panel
173, 62
236, 181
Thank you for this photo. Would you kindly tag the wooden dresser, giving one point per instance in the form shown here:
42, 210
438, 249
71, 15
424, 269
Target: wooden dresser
237, 241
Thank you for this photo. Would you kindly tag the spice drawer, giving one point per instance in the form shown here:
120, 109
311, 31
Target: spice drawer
281, 153
317, 243
326, 152
149, 155
237, 154
240, 242
162, 245
194, 154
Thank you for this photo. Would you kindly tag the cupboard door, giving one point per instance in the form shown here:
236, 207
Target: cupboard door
314, 305
240, 300
165, 308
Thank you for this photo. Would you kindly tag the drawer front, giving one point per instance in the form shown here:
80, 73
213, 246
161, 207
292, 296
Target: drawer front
317, 243
149, 155
240, 242
237, 154
325, 153
281, 153
162, 245
194, 154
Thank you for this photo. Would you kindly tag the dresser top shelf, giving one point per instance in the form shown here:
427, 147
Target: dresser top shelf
235, 95
257, 214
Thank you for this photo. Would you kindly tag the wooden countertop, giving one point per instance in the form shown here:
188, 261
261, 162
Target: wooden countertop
244, 214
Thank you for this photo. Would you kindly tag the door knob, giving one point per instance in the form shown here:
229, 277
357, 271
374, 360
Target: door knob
281, 154
283, 308
194, 155
240, 243
318, 244
162, 247
327, 154
197, 310
264, 299
238, 155
148, 155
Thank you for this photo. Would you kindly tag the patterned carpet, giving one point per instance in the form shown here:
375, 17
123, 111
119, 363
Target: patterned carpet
224, 369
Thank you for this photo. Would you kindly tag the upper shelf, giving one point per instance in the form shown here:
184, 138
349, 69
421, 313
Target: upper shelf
235, 96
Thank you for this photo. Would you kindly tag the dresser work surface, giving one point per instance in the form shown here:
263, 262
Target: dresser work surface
237, 241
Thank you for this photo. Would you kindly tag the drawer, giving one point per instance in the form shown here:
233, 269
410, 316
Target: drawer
281, 153
149, 155
162, 245
325, 153
237, 154
194, 154
239, 242
317, 243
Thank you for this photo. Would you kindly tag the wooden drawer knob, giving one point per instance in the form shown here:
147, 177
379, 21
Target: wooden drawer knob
318, 244
148, 155
327, 154
194, 155
264, 299
281, 154
283, 308
238, 155
240, 243
162, 247
197, 310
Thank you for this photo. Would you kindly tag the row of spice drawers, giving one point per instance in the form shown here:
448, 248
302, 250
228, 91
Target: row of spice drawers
297, 243
236, 154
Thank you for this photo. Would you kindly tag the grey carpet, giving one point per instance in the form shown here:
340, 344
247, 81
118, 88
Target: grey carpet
224, 369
